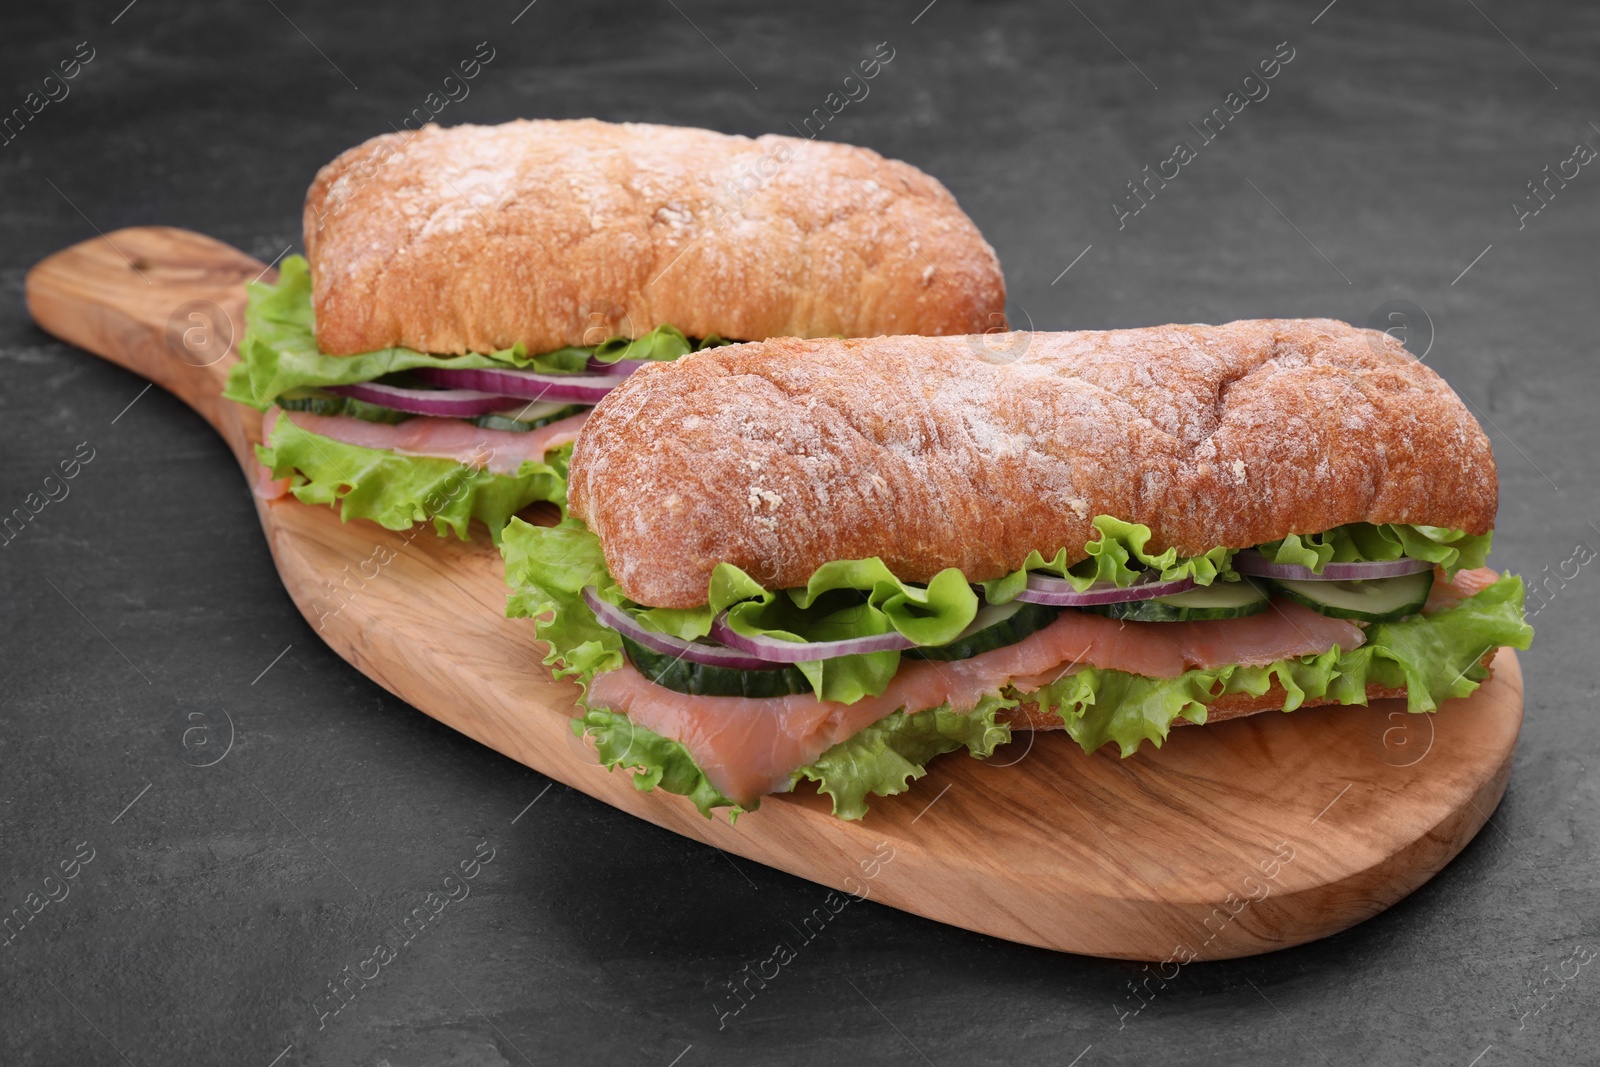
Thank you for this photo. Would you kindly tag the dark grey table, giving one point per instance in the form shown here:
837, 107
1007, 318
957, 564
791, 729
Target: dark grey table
212, 906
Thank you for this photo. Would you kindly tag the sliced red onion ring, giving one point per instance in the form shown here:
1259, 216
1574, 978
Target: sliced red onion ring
523, 384
1252, 562
775, 650
693, 651
1058, 592
620, 368
451, 403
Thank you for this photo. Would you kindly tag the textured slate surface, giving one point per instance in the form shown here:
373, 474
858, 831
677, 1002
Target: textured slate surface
218, 907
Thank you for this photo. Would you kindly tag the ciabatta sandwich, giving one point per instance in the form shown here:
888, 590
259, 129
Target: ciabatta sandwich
836, 559
467, 293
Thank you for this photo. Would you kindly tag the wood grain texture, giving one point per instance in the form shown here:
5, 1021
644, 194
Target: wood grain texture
1175, 854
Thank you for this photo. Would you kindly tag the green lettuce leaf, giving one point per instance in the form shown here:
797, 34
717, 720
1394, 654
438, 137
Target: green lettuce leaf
882, 760
862, 598
655, 761
547, 568
398, 491
1435, 657
843, 599
278, 351
1102, 706
1112, 556
662, 344
886, 757
1356, 542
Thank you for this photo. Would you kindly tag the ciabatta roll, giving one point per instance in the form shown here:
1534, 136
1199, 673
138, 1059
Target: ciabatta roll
474, 238
468, 293
832, 560
935, 452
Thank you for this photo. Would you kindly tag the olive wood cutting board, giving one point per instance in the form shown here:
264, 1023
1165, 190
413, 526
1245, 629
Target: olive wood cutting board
1231, 840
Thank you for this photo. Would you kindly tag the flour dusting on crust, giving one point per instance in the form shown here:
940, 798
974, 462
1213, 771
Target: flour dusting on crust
554, 233
928, 454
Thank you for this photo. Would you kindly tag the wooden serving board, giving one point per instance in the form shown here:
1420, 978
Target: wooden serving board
1235, 839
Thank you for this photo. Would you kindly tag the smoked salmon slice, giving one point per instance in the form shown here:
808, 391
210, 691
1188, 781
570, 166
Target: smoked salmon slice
748, 746
1446, 592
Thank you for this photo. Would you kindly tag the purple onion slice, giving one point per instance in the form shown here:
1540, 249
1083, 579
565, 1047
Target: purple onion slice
524, 384
693, 651
449, 403
776, 650
1058, 592
1254, 563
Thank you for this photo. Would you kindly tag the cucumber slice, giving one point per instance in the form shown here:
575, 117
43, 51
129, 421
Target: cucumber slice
1220, 600
535, 410
683, 676
1374, 600
995, 626
501, 422
316, 403
538, 415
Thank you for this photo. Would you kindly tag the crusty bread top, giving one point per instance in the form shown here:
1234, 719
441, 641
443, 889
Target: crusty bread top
558, 233
970, 452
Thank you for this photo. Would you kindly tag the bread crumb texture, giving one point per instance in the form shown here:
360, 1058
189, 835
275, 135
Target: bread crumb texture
931, 453
556, 233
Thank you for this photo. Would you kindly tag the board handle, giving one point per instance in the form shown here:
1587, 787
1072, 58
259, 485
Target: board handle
165, 303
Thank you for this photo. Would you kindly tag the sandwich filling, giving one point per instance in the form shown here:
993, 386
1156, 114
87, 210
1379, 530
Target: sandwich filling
686, 714
400, 436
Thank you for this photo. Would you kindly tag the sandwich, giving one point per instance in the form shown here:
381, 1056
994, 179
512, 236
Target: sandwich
467, 294
830, 561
